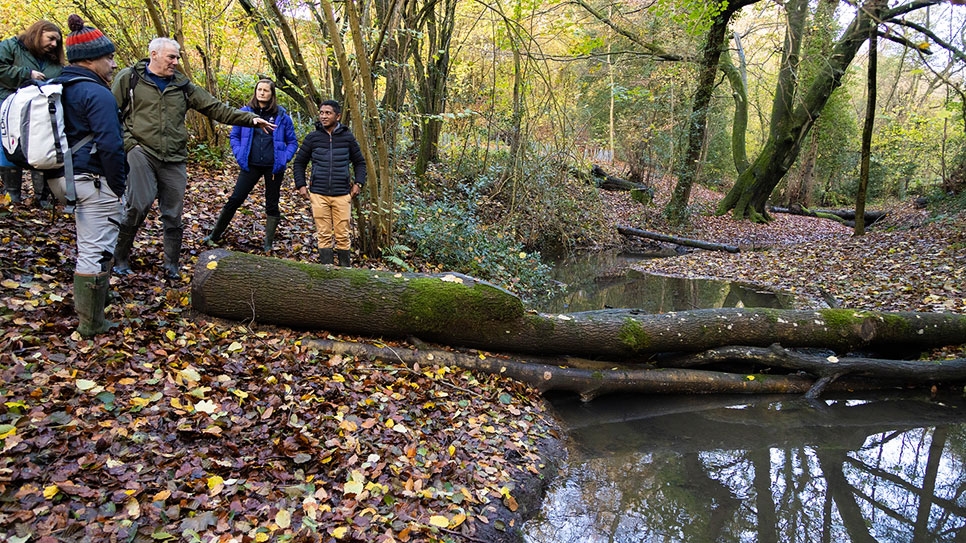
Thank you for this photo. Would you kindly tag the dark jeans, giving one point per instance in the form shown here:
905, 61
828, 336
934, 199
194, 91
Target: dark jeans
247, 181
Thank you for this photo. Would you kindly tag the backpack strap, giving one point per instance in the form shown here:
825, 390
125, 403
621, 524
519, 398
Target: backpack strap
68, 158
128, 104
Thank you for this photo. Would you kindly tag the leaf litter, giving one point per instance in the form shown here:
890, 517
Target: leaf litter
177, 427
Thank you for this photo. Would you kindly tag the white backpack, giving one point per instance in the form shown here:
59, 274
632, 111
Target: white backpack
32, 128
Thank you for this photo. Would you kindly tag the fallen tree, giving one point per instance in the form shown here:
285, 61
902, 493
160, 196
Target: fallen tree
461, 311
706, 245
844, 216
591, 383
604, 181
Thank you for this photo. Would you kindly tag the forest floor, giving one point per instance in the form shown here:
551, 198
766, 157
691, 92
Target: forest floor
178, 427
912, 260
174, 426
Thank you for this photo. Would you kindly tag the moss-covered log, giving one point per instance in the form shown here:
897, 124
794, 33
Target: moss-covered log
459, 310
300, 295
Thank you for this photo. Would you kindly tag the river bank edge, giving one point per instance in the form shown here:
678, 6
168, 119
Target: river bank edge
506, 525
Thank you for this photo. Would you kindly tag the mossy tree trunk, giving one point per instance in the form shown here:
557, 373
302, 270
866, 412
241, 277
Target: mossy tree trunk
461, 311
796, 110
689, 164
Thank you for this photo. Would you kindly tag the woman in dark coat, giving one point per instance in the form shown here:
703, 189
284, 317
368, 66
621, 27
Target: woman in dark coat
36, 54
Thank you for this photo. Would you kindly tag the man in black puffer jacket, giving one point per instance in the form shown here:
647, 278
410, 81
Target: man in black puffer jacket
332, 149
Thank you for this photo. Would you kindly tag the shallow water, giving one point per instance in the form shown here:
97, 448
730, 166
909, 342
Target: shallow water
758, 469
887, 468
604, 280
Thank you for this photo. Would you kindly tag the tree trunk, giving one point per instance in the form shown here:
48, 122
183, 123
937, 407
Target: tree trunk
749, 196
847, 216
591, 382
431, 75
738, 78
379, 184
463, 311
676, 208
867, 130
297, 84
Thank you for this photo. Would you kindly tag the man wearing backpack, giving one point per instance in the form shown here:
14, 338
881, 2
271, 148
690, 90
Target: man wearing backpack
36, 54
100, 171
154, 98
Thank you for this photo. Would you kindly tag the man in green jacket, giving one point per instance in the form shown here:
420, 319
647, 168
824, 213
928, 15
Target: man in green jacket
154, 98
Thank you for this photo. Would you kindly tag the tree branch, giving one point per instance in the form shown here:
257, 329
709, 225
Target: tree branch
931, 35
650, 47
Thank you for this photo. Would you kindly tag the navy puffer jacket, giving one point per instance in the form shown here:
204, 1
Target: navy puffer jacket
331, 155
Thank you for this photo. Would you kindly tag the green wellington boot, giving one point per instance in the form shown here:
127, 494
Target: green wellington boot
90, 297
271, 223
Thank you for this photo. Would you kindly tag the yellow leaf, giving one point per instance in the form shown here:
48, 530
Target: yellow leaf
214, 481
439, 521
452, 450
242, 395
170, 335
9, 283
140, 402
750, 377
352, 487
4, 434
51, 491
212, 265
189, 374
260, 537
348, 426
161, 496
339, 532
457, 520
235, 346
133, 508
283, 518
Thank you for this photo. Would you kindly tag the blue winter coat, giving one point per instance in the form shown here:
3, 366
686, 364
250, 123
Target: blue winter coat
283, 136
90, 108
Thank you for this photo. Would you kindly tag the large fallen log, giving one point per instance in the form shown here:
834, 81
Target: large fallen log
241, 286
844, 216
707, 245
458, 310
604, 181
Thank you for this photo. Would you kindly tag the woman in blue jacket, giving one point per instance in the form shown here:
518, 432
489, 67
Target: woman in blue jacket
259, 155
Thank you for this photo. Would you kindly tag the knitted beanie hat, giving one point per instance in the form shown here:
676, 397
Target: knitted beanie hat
84, 42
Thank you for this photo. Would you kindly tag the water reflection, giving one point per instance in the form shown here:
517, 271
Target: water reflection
602, 280
759, 470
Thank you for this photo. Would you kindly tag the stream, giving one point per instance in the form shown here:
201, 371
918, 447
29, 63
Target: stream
886, 467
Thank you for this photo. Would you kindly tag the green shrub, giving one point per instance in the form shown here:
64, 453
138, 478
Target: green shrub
443, 228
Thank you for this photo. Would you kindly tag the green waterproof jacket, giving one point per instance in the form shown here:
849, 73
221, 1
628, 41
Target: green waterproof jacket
16, 63
155, 120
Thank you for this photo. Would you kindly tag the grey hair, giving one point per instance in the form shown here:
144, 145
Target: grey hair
157, 44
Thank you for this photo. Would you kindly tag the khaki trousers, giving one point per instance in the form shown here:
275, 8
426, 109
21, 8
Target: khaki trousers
331, 214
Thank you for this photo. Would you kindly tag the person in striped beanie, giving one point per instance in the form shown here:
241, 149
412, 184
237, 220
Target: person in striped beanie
84, 42
100, 169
